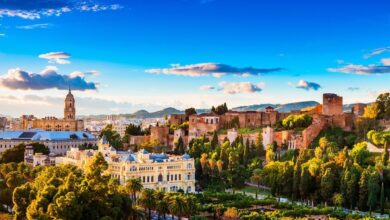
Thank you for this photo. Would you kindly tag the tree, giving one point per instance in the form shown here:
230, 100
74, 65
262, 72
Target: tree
135, 130
133, 186
220, 110
359, 153
190, 111
373, 188
327, 185
382, 198
111, 136
350, 185
161, 204
15, 154
148, 201
363, 189
64, 192
297, 121
383, 102
191, 205
214, 141
338, 199
259, 151
372, 111
256, 178
179, 148
177, 205
385, 155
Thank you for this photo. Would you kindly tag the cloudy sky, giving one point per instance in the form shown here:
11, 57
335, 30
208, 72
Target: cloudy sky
121, 56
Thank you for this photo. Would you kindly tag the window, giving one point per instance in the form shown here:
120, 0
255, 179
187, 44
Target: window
212, 121
189, 166
189, 176
160, 178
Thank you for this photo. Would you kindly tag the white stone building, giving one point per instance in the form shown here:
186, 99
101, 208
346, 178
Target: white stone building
156, 171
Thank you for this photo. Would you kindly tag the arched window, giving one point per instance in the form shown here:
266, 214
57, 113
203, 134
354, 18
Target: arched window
160, 178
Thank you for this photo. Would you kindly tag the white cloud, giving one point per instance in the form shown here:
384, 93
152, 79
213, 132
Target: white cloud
17, 79
42, 8
34, 26
84, 74
303, 84
377, 51
362, 70
56, 57
207, 88
211, 69
240, 87
386, 61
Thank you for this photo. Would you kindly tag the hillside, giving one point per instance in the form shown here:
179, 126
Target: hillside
279, 107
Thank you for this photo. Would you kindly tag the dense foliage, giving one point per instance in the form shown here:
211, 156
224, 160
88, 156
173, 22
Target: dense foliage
383, 102
64, 192
349, 178
336, 135
297, 121
220, 109
226, 165
111, 136
16, 154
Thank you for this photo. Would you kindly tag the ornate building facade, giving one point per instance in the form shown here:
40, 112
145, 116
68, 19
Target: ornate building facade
68, 123
156, 171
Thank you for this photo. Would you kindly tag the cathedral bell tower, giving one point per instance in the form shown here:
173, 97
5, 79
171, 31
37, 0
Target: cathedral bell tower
69, 110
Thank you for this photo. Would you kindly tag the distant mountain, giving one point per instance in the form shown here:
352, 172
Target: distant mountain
259, 107
157, 114
296, 106
279, 107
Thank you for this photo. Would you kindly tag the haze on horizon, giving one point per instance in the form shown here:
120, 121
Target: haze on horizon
122, 56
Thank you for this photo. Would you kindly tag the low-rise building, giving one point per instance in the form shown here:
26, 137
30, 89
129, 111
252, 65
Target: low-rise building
58, 142
156, 171
38, 159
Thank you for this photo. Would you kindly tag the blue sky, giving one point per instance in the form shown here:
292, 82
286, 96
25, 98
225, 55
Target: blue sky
122, 56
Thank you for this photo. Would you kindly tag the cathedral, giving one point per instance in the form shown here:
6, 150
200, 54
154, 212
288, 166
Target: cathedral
68, 123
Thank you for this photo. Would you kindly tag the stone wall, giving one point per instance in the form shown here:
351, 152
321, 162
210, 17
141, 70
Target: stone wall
161, 134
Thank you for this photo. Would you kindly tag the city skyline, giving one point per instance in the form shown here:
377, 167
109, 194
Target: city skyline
123, 56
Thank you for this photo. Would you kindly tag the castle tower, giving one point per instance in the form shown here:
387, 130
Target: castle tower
332, 104
69, 110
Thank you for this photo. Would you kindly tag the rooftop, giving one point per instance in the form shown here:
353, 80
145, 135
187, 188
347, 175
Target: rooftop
40, 135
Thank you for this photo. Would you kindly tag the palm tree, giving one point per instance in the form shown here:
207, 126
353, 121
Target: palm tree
148, 201
136, 213
133, 186
162, 204
256, 178
177, 206
191, 205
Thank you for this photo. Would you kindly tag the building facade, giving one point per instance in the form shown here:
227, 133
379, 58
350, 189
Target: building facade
156, 171
68, 123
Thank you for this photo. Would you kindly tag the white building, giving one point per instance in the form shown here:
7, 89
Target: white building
58, 142
156, 171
